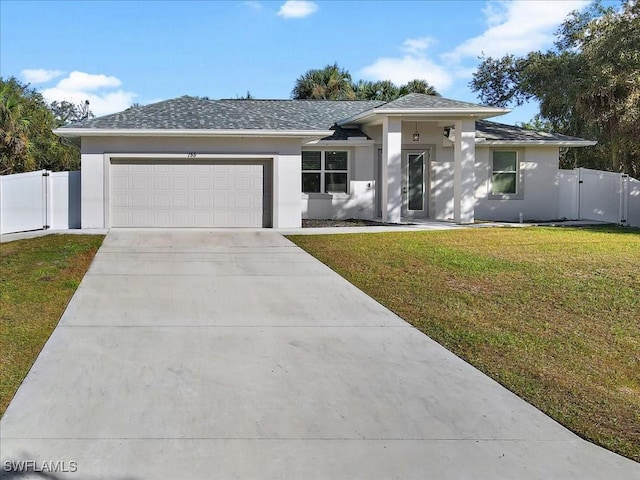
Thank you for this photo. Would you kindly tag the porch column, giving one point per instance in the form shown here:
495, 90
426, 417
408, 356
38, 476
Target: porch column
464, 158
391, 169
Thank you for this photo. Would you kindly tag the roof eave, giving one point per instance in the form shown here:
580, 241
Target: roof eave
436, 113
129, 132
352, 142
547, 143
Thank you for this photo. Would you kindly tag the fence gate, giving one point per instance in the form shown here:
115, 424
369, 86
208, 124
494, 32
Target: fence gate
23, 201
602, 196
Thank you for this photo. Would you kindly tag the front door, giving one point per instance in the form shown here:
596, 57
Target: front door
415, 195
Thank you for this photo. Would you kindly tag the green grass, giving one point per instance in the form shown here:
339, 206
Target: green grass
551, 313
38, 278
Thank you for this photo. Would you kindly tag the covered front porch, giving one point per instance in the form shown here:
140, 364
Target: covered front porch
421, 170
426, 157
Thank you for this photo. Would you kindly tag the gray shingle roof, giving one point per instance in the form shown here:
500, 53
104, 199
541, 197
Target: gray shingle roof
499, 131
342, 133
191, 113
420, 101
196, 113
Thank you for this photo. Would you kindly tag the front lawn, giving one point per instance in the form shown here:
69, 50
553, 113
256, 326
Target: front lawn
551, 313
38, 278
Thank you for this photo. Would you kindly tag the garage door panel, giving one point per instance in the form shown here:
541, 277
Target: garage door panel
202, 201
180, 168
205, 169
221, 219
137, 169
161, 183
220, 201
160, 201
139, 183
180, 183
141, 201
202, 183
161, 193
220, 183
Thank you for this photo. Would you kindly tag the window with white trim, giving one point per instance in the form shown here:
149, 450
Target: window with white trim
505, 172
325, 171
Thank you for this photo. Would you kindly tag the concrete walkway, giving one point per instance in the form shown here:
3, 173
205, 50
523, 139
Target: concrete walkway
219, 354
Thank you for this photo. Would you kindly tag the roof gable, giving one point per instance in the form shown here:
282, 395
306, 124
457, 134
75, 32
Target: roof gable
421, 101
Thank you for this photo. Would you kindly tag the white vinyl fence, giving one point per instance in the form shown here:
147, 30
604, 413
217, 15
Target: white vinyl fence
586, 194
39, 200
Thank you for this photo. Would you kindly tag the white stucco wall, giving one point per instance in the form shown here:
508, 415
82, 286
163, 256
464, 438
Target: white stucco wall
440, 188
539, 167
359, 201
538, 199
285, 155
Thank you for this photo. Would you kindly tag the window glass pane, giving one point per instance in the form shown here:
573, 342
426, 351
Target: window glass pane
335, 160
504, 161
416, 182
310, 160
504, 183
335, 182
311, 182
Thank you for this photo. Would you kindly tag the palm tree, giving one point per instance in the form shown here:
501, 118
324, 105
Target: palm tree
386, 90
418, 86
328, 83
14, 126
364, 90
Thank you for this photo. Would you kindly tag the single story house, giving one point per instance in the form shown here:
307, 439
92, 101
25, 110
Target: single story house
194, 162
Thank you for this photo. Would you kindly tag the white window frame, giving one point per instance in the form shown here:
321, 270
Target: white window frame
519, 193
323, 171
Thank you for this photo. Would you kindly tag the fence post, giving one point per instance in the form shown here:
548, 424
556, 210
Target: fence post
624, 198
46, 199
579, 190
1, 223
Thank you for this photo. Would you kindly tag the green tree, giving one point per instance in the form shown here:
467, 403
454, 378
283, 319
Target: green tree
587, 86
27, 142
418, 86
67, 112
334, 83
386, 90
15, 152
328, 83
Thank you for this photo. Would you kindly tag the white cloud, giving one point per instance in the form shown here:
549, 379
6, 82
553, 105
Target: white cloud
88, 81
97, 88
417, 45
494, 13
516, 27
297, 9
414, 64
407, 68
257, 6
39, 75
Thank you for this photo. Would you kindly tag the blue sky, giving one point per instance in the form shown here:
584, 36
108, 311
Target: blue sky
117, 53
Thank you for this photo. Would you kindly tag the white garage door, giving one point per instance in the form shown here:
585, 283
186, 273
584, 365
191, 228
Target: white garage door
170, 193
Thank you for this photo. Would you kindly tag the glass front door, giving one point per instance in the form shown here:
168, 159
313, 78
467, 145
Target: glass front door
415, 182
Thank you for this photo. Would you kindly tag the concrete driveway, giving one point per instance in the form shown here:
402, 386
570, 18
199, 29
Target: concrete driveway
234, 354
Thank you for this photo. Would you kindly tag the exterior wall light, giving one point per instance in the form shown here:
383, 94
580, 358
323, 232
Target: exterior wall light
416, 135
